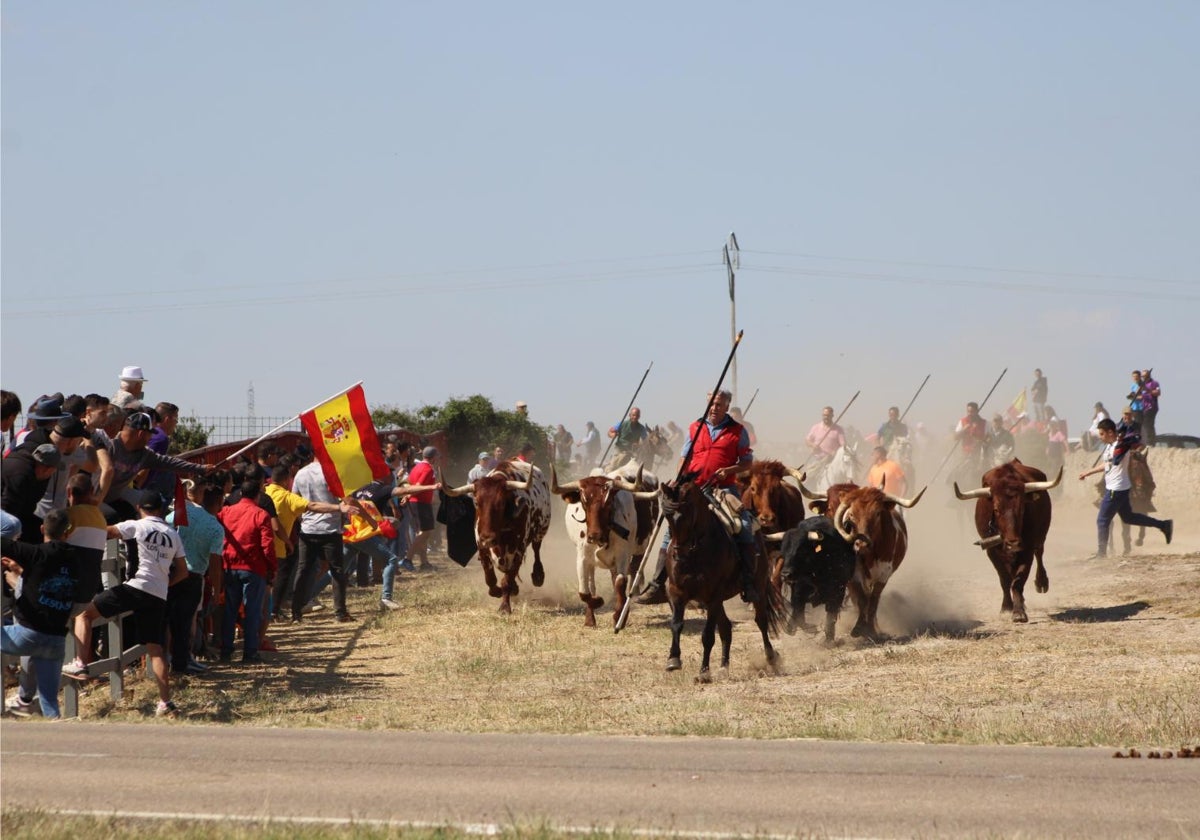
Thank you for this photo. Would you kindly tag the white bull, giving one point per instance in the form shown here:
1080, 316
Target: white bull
609, 518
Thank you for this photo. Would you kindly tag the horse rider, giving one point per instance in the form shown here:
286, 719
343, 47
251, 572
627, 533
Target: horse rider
892, 428
629, 435
722, 450
825, 438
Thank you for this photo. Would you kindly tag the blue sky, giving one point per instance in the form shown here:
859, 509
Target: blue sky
529, 201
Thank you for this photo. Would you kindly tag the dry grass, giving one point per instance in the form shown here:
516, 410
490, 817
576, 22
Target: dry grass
1112, 660
26, 824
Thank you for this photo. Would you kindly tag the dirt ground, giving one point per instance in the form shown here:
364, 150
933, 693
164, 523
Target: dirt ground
1110, 655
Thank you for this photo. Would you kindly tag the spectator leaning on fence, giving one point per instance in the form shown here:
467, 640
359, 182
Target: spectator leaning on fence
161, 563
44, 578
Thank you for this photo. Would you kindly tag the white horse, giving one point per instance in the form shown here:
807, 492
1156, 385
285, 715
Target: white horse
840, 468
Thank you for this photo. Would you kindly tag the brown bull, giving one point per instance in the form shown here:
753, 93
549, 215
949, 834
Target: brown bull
512, 513
868, 518
779, 506
1012, 516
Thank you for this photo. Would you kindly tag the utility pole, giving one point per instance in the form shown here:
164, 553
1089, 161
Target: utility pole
250, 400
731, 256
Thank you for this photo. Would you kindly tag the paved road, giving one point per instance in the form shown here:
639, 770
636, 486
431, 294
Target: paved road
684, 785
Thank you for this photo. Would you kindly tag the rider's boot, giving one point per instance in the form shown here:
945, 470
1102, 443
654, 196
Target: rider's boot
656, 592
748, 558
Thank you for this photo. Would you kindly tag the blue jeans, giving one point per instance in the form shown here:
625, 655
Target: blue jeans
1116, 503
41, 664
243, 586
377, 549
10, 526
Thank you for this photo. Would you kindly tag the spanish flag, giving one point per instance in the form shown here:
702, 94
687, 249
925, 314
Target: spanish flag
344, 442
1015, 409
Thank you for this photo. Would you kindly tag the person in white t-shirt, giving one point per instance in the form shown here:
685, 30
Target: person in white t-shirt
161, 563
1114, 463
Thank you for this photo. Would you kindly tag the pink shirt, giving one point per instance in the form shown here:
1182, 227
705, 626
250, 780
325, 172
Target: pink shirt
834, 437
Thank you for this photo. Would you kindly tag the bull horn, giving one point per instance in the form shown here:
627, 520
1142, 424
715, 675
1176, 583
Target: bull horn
815, 536
465, 490
799, 475
645, 495
622, 484
569, 487
981, 493
521, 485
842, 510
774, 538
989, 542
1034, 486
907, 503
810, 495
637, 482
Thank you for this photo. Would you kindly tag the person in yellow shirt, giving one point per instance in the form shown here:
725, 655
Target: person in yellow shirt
887, 473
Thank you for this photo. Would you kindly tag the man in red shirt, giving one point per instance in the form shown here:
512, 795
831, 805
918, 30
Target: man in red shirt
422, 503
249, 563
722, 449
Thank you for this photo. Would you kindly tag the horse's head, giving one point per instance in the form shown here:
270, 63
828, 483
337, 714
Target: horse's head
900, 450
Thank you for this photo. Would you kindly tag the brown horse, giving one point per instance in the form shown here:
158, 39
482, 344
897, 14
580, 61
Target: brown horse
702, 566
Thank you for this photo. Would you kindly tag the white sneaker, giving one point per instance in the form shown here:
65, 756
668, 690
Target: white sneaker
17, 706
388, 604
165, 708
75, 670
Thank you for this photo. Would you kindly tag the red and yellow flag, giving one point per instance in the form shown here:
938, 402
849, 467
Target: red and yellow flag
1016, 409
344, 442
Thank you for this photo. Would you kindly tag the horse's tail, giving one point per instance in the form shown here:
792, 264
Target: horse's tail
778, 611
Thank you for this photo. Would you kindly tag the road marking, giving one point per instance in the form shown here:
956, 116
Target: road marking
481, 829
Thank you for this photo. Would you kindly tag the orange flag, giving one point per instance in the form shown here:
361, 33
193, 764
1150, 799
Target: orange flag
344, 442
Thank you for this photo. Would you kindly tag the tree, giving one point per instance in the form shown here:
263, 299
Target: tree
189, 434
472, 424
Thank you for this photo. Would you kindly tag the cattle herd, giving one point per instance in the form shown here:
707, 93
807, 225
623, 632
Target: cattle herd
852, 544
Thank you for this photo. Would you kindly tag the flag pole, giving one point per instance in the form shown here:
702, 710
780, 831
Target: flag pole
285, 424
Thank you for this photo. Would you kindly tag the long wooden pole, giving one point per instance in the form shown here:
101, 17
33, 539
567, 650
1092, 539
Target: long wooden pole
683, 465
954, 445
613, 439
914, 399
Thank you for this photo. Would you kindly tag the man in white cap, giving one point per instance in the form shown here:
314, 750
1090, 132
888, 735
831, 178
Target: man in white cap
130, 389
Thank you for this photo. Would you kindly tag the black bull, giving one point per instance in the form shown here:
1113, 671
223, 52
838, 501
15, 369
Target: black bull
817, 564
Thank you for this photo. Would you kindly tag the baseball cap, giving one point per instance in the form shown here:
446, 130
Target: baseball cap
47, 455
429, 452
139, 420
151, 500
483, 455
70, 427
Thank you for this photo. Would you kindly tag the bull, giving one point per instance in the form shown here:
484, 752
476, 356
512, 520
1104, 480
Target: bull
1012, 516
777, 504
609, 519
817, 565
870, 520
512, 513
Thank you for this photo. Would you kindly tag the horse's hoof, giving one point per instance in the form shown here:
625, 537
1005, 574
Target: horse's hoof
1019, 617
495, 591
538, 576
704, 677
674, 663
505, 608
1042, 586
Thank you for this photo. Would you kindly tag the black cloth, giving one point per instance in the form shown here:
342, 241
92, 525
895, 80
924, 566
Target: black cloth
457, 513
48, 584
182, 601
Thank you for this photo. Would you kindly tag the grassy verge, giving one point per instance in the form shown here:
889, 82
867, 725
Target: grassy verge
447, 661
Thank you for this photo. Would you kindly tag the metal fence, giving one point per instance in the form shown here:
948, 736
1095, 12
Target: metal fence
228, 429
